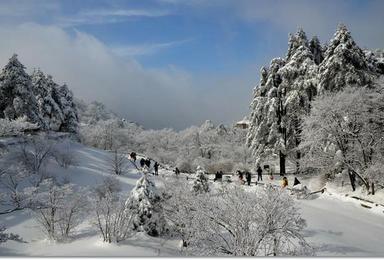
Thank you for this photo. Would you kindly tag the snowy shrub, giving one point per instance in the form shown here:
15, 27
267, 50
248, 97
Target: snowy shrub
234, 222
64, 154
184, 165
59, 209
144, 205
16, 127
200, 184
109, 185
11, 180
112, 219
4, 237
178, 210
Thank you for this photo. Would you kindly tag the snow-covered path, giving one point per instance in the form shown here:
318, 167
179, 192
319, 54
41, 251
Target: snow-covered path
342, 228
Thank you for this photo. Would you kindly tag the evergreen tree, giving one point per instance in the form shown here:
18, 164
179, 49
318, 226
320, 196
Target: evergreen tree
65, 100
44, 89
200, 184
284, 94
144, 203
344, 64
16, 96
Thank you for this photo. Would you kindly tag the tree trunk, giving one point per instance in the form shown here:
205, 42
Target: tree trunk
282, 163
298, 156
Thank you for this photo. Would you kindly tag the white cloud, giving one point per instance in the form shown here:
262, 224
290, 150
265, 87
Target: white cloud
154, 97
105, 16
145, 49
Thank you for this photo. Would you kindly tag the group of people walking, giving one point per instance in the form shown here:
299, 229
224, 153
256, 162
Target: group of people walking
145, 162
244, 176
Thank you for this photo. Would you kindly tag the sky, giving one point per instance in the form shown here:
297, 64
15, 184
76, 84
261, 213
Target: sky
171, 63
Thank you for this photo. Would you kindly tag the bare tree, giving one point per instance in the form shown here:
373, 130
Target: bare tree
64, 154
111, 216
117, 164
58, 209
34, 153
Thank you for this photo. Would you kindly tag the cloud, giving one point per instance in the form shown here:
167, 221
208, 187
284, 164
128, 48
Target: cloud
22, 8
363, 18
156, 98
105, 16
145, 49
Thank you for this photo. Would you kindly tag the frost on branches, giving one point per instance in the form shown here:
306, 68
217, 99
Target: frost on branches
16, 96
288, 87
200, 184
144, 205
283, 95
230, 223
37, 98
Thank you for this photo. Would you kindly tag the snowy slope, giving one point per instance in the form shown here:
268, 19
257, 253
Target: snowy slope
337, 225
90, 171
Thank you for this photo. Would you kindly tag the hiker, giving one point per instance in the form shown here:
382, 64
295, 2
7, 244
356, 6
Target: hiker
259, 173
142, 162
296, 182
133, 156
148, 163
248, 177
240, 174
284, 182
177, 171
156, 167
218, 176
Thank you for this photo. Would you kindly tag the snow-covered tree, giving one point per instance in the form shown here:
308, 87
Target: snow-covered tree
68, 108
344, 64
282, 97
144, 205
44, 90
16, 95
112, 219
117, 164
58, 208
344, 131
200, 184
230, 223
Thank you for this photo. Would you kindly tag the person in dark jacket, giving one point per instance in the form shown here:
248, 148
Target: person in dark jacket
148, 163
133, 156
259, 173
248, 177
156, 167
177, 171
142, 162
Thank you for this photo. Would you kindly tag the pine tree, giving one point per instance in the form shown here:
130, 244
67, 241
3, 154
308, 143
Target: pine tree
16, 95
283, 95
44, 89
200, 184
144, 203
344, 64
65, 100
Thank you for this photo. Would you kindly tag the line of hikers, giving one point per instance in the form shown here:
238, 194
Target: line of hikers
219, 174
145, 162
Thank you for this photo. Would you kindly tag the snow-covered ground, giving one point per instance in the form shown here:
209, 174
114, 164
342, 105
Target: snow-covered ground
337, 225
